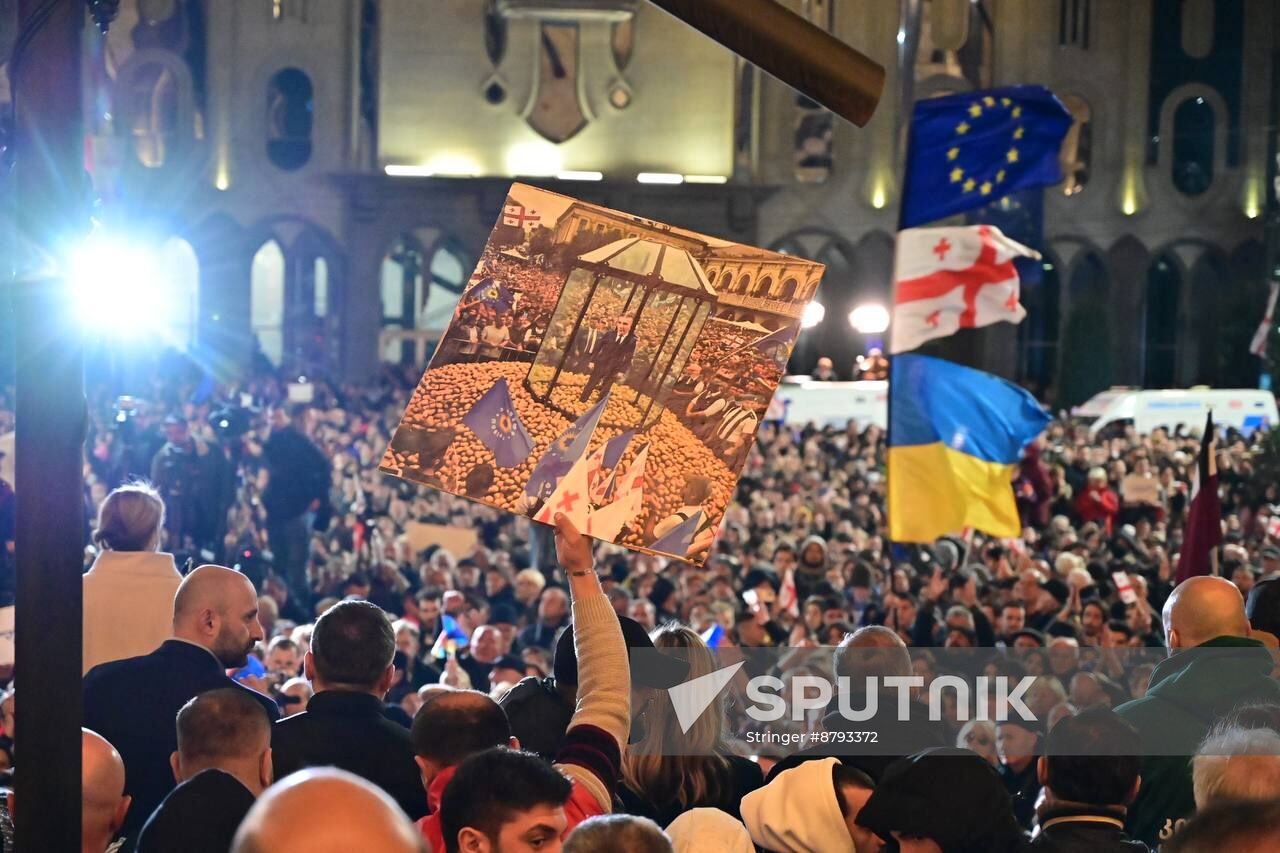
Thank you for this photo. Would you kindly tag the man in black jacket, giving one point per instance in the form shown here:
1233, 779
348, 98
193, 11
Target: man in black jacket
132, 703
223, 764
1090, 775
612, 360
297, 487
350, 666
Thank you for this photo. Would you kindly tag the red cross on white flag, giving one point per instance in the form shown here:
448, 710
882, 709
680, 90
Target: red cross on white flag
571, 497
948, 279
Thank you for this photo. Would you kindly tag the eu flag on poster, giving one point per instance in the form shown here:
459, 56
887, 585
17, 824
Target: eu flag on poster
563, 452
970, 149
495, 422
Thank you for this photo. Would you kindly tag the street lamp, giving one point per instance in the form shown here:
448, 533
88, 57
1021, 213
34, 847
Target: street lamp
118, 289
869, 319
812, 316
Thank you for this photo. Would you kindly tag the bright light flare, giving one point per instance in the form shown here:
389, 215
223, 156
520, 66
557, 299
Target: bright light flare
813, 314
869, 319
118, 289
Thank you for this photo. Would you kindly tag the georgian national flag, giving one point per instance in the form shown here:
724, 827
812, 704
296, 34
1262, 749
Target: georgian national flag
516, 214
570, 498
607, 521
947, 279
1202, 533
496, 423
564, 452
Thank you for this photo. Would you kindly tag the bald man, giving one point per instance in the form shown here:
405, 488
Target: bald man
1214, 665
134, 703
103, 803
873, 651
326, 810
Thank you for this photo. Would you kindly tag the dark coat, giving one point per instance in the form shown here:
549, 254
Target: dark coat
351, 731
299, 474
1189, 692
134, 703
1080, 831
199, 816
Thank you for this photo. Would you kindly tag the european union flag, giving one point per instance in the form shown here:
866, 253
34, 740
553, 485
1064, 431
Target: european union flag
495, 422
563, 452
970, 149
955, 437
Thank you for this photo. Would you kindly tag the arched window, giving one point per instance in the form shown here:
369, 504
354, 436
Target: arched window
321, 293
449, 275
1077, 147
289, 119
1160, 330
1193, 144
744, 284
266, 305
788, 289
725, 281
763, 287
179, 272
418, 293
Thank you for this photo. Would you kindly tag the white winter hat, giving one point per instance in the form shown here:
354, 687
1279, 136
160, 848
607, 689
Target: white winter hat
709, 831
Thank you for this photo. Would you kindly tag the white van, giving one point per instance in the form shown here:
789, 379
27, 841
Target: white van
1245, 409
801, 400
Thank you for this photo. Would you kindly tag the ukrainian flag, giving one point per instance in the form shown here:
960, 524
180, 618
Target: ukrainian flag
955, 436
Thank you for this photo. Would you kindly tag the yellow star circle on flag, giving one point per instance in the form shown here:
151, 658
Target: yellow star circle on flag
975, 110
969, 185
1017, 112
1019, 132
986, 188
953, 153
989, 101
999, 176
962, 128
1005, 102
1012, 156
956, 174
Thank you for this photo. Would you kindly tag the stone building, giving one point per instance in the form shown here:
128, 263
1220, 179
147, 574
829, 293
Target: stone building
319, 171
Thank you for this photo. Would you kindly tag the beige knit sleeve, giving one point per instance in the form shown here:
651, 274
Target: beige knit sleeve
604, 685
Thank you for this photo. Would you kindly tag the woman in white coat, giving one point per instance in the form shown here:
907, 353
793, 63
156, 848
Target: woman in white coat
128, 593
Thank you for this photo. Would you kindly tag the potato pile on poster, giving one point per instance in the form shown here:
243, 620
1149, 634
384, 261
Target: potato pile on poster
608, 367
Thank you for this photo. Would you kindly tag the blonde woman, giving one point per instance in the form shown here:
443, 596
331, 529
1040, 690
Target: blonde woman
667, 772
128, 593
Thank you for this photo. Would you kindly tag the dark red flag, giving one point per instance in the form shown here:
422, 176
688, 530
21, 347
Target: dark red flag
1202, 533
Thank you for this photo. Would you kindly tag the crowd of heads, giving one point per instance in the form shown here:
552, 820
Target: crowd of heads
455, 641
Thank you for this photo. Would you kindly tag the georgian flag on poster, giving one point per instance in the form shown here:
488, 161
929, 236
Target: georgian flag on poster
947, 279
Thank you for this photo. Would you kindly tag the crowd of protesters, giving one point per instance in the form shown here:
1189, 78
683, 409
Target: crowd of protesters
482, 692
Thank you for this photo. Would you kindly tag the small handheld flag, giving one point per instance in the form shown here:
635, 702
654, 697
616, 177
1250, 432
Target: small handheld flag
1203, 531
496, 423
492, 295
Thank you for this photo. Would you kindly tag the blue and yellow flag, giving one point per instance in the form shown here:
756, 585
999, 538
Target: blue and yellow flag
955, 437
970, 149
